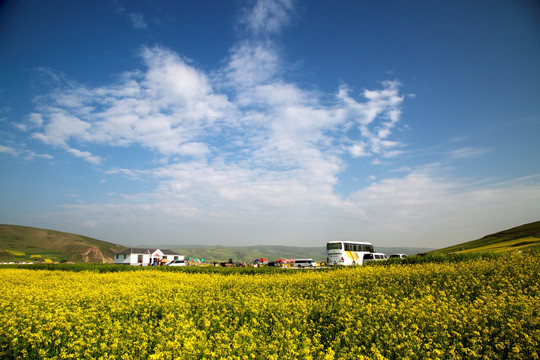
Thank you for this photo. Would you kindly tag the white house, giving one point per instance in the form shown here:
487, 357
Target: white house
145, 257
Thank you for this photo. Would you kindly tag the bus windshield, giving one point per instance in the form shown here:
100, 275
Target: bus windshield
333, 246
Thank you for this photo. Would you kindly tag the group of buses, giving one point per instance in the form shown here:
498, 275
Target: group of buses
352, 253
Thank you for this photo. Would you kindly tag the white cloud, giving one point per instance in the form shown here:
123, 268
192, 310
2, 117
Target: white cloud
30, 155
8, 150
429, 206
251, 64
23, 152
233, 206
137, 20
467, 152
132, 174
268, 17
87, 156
62, 127
359, 150
173, 108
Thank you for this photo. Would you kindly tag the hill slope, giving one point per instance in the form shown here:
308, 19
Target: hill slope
526, 236
249, 253
23, 243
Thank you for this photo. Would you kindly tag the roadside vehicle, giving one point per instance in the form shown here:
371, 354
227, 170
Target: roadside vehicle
304, 263
347, 252
374, 257
177, 263
399, 256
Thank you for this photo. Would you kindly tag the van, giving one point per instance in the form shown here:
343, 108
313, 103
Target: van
304, 263
374, 256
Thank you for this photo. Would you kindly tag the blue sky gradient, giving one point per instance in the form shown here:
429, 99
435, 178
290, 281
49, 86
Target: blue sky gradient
270, 122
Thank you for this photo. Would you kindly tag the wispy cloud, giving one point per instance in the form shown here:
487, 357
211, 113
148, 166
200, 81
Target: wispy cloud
468, 152
268, 17
87, 156
24, 153
8, 150
137, 20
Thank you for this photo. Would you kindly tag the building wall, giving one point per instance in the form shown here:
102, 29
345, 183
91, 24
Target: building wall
122, 259
133, 259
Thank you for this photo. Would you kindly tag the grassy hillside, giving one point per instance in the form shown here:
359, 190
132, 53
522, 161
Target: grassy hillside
518, 238
249, 253
22, 243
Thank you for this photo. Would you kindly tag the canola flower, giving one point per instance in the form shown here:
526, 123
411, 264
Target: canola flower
479, 309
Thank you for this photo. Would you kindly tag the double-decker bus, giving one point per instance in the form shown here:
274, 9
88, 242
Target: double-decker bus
347, 252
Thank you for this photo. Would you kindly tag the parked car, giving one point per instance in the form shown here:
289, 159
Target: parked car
399, 256
177, 263
374, 257
305, 263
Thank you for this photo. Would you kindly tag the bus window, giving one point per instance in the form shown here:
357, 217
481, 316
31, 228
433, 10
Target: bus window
333, 246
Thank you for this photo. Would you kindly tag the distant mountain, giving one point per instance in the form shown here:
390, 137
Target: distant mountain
526, 236
23, 243
250, 253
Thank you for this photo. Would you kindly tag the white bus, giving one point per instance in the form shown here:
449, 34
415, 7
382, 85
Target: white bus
347, 252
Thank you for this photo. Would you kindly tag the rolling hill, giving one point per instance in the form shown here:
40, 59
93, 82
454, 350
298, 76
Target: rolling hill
22, 243
522, 237
249, 253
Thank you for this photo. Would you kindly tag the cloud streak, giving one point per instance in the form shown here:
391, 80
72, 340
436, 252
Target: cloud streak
137, 20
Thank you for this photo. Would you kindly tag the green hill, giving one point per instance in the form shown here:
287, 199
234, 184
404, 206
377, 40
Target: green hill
249, 253
522, 237
22, 243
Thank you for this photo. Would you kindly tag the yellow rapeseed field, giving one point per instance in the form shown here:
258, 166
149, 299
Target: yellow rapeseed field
479, 309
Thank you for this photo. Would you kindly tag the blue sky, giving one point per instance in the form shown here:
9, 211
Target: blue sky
270, 122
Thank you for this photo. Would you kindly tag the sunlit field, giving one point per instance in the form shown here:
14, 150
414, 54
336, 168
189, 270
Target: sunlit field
475, 309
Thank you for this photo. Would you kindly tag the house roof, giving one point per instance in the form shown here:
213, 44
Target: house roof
147, 251
168, 252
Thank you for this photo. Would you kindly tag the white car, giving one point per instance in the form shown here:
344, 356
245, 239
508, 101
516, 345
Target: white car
374, 257
177, 263
305, 263
399, 256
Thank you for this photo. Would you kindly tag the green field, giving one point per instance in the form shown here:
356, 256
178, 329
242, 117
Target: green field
466, 307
